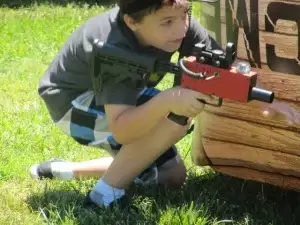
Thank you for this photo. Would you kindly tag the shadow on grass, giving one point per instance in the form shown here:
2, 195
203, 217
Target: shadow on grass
222, 197
27, 3
215, 197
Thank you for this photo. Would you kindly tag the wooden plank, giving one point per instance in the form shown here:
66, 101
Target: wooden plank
237, 12
252, 112
237, 135
286, 46
198, 153
284, 85
286, 182
278, 75
247, 133
230, 154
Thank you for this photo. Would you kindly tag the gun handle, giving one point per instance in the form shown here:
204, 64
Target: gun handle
181, 120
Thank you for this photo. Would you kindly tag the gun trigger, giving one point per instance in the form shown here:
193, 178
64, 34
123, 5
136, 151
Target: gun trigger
218, 104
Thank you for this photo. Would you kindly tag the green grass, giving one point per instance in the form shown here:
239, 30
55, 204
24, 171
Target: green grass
30, 37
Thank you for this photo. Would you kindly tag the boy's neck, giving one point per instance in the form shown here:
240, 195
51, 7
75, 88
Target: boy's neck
139, 40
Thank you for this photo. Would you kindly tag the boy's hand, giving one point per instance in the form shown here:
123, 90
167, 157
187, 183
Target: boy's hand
185, 102
292, 115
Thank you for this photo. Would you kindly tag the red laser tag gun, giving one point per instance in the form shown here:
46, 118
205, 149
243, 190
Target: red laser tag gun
210, 72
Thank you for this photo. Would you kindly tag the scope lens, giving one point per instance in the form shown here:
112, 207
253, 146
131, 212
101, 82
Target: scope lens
243, 67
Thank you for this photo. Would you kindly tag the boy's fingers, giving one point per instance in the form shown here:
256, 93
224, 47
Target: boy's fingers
268, 113
296, 116
205, 98
189, 123
197, 105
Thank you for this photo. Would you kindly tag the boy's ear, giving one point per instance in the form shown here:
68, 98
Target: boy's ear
130, 22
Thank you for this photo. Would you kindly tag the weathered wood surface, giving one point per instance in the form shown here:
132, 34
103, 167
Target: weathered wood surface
252, 112
252, 157
236, 139
286, 182
248, 133
281, 26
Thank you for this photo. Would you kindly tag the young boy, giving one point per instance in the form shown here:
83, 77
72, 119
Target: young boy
130, 123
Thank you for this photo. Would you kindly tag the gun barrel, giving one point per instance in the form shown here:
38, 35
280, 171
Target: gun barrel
262, 95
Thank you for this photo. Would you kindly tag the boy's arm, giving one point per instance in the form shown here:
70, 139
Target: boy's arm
127, 121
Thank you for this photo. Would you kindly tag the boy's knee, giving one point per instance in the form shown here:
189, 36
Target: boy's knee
175, 176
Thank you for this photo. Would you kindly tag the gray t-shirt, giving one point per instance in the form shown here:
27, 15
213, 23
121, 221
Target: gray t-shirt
68, 75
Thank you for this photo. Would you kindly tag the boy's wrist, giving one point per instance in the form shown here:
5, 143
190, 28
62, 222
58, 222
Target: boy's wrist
167, 99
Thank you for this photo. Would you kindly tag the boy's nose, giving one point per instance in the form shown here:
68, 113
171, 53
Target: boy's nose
180, 31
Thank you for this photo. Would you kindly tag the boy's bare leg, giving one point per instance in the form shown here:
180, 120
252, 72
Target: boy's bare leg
64, 170
92, 168
142, 153
134, 158
172, 174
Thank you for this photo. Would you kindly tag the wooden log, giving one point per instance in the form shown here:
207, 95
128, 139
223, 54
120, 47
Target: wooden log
198, 152
236, 139
282, 26
284, 45
251, 157
284, 85
285, 182
252, 112
248, 133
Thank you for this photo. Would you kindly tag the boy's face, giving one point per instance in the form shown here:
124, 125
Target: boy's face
164, 29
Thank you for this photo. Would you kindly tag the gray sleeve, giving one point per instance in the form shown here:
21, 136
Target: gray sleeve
124, 92
117, 93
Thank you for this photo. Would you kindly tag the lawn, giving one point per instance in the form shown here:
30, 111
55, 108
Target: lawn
31, 35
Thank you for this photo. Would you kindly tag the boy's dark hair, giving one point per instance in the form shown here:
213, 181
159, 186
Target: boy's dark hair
138, 9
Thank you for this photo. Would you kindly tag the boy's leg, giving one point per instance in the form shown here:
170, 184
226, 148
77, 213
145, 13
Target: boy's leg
64, 170
87, 125
86, 128
172, 173
140, 155
169, 169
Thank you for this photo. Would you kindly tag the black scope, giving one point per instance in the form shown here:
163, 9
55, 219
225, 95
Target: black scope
215, 57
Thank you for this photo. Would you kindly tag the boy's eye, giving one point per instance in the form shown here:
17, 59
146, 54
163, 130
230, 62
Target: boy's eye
170, 21
167, 23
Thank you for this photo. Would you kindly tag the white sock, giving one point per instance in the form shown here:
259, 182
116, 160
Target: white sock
62, 170
104, 194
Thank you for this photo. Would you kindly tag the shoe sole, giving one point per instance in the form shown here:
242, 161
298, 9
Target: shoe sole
34, 172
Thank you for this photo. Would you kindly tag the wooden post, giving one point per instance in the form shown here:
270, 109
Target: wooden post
210, 18
236, 139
